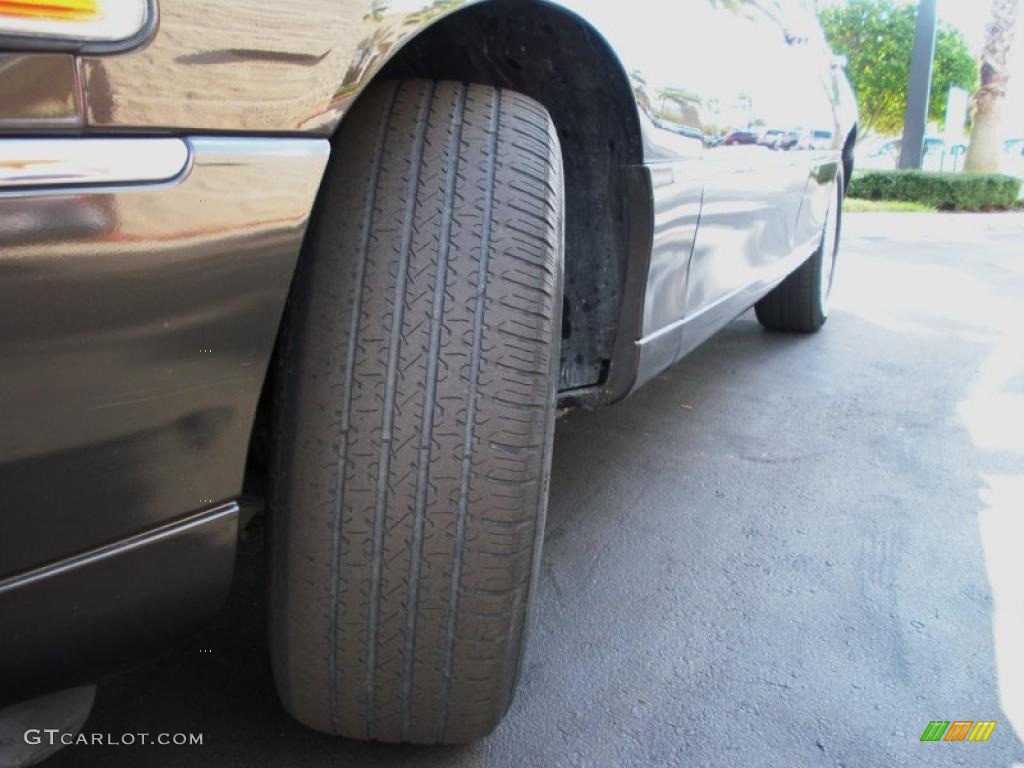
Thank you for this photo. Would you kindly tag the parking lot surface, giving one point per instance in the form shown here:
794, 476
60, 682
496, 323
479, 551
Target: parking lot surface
785, 551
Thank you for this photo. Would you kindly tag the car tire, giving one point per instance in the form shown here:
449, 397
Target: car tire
414, 414
799, 304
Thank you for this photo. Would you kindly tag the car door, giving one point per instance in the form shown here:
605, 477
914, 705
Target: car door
709, 81
752, 192
814, 69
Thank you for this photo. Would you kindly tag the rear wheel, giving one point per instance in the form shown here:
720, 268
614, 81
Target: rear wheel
799, 303
414, 416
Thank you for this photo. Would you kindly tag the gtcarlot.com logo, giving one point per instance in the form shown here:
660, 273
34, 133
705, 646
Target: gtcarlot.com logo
54, 736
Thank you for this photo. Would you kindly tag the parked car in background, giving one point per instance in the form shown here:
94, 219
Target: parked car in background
776, 138
350, 270
886, 156
817, 138
744, 136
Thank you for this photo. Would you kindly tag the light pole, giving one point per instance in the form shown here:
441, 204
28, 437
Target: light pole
915, 119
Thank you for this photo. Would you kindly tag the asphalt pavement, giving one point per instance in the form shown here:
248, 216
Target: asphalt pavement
785, 551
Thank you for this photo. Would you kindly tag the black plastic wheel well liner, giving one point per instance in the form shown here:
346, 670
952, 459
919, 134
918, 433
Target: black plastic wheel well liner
848, 148
554, 57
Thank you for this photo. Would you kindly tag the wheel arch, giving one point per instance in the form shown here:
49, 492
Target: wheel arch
558, 58
609, 216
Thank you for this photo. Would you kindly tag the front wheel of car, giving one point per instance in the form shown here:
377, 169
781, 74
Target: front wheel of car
415, 405
800, 303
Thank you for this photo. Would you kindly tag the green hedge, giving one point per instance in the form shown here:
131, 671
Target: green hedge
945, 191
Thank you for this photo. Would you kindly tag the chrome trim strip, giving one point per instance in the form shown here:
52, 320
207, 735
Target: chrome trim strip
81, 161
119, 547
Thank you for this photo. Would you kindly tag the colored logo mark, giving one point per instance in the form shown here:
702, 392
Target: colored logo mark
958, 730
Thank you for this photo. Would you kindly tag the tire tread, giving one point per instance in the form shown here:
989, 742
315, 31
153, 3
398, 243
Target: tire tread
415, 400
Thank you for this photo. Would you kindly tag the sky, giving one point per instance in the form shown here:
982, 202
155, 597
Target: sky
970, 17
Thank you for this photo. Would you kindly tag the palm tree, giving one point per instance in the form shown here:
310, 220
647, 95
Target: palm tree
985, 149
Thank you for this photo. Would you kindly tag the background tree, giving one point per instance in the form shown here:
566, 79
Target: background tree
877, 37
984, 151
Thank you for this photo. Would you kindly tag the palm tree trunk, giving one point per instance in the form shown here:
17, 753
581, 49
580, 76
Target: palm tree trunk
985, 150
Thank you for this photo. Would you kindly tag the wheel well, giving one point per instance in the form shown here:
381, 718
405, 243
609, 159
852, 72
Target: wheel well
554, 57
848, 147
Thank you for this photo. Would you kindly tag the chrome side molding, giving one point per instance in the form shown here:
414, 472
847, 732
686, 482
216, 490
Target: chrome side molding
172, 529
87, 161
